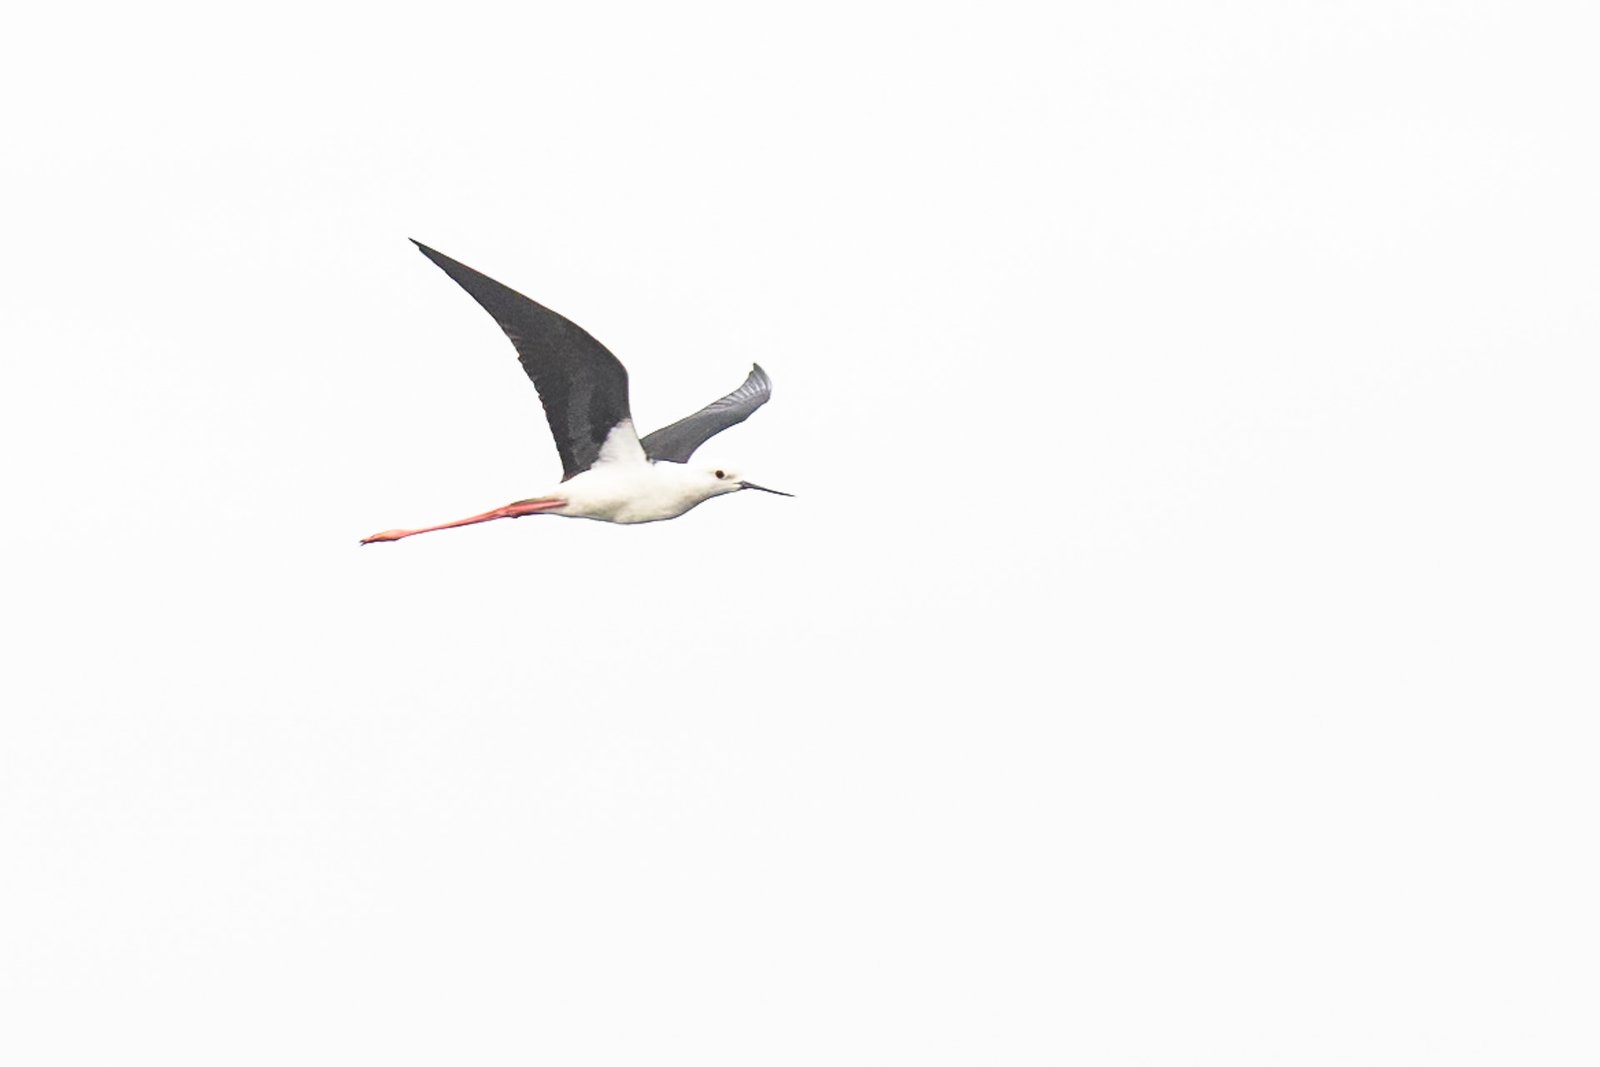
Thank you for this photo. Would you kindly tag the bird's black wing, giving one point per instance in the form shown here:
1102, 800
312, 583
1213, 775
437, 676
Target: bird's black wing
677, 442
583, 387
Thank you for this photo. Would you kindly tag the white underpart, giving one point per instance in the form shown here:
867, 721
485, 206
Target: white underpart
623, 486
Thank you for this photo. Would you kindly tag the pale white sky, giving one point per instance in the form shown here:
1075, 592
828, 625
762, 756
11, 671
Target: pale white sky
1180, 649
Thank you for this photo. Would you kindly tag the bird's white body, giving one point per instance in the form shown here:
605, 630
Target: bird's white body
624, 486
638, 492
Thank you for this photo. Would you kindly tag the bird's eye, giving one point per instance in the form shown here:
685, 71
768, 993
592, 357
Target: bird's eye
721, 474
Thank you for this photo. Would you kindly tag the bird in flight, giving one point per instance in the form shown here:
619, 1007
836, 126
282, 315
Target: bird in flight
609, 472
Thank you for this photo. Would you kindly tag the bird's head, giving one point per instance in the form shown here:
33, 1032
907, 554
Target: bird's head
720, 480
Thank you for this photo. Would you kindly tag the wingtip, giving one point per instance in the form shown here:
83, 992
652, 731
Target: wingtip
438, 258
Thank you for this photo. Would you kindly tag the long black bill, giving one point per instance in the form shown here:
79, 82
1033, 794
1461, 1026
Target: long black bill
764, 489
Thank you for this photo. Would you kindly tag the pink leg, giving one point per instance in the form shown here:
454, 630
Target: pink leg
510, 511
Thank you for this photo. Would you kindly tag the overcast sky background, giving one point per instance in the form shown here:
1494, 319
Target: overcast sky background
1180, 650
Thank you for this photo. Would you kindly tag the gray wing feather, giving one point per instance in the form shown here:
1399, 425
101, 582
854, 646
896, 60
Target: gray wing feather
676, 443
583, 387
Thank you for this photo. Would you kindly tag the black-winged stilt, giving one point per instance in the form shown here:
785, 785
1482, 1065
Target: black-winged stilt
609, 473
